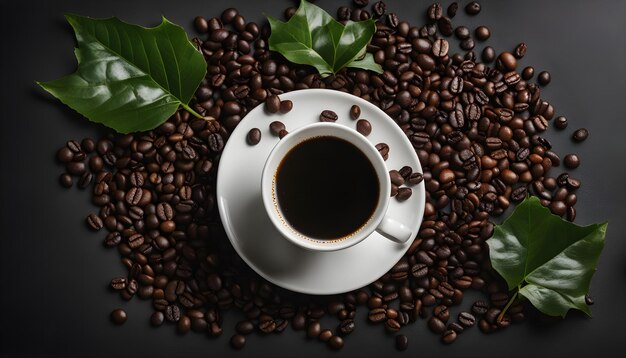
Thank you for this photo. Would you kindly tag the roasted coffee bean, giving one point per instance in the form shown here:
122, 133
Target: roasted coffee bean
244, 327
314, 329
237, 341
66, 180
360, 3
462, 32
449, 336
276, 127
396, 177
94, 222
272, 104
440, 48
364, 127
489, 54
436, 325
452, 9
528, 73
560, 122
216, 142
416, 178
157, 318
254, 136
268, 326
588, 300
285, 106
571, 161
466, 319
379, 8
118, 283
328, 116
402, 342
480, 307
404, 193
335, 342
118, 316
383, 149
435, 11
346, 327
172, 313
544, 78
520, 51
445, 26
355, 112
282, 133
472, 8
580, 134
482, 33
65, 155
442, 313
507, 61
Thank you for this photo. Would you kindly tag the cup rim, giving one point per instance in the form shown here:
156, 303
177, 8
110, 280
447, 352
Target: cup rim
271, 204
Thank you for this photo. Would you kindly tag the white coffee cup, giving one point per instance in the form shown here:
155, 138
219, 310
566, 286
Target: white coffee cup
379, 220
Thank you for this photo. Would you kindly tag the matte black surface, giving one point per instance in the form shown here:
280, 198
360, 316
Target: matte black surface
54, 272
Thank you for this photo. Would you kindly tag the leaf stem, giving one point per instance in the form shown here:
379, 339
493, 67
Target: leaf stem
508, 304
188, 109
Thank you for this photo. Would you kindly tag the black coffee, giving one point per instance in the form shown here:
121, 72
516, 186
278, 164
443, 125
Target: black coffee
326, 188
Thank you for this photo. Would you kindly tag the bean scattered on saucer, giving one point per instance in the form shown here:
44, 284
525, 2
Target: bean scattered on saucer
396, 177
254, 136
404, 193
415, 178
272, 104
355, 111
282, 133
285, 106
328, 116
364, 127
383, 149
276, 127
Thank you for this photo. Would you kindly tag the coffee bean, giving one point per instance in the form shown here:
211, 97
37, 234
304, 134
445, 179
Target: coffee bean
402, 342
285, 106
157, 318
452, 9
482, 33
360, 3
314, 329
435, 11
75, 168
416, 178
268, 326
404, 193
328, 116
364, 127
449, 336
436, 325
172, 313
528, 73
520, 51
66, 180
272, 104
396, 177
335, 342
440, 48
472, 8
276, 127
216, 143
118, 316
571, 161
445, 26
355, 112
383, 149
282, 133
466, 319
64, 155
237, 341
580, 134
346, 326
442, 313
588, 300
560, 122
377, 315
379, 8
94, 222
254, 136
507, 61
488, 54
544, 78
480, 307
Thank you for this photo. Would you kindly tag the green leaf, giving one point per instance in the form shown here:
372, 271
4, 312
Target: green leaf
129, 78
313, 37
551, 261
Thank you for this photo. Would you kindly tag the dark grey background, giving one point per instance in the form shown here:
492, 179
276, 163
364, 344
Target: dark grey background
53, 291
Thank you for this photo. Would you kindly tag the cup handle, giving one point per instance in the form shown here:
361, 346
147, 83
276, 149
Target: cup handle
394, 230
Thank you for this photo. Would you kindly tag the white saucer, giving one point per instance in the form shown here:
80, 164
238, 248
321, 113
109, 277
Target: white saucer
256, 239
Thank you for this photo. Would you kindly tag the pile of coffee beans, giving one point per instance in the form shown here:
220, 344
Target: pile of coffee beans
476, 126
